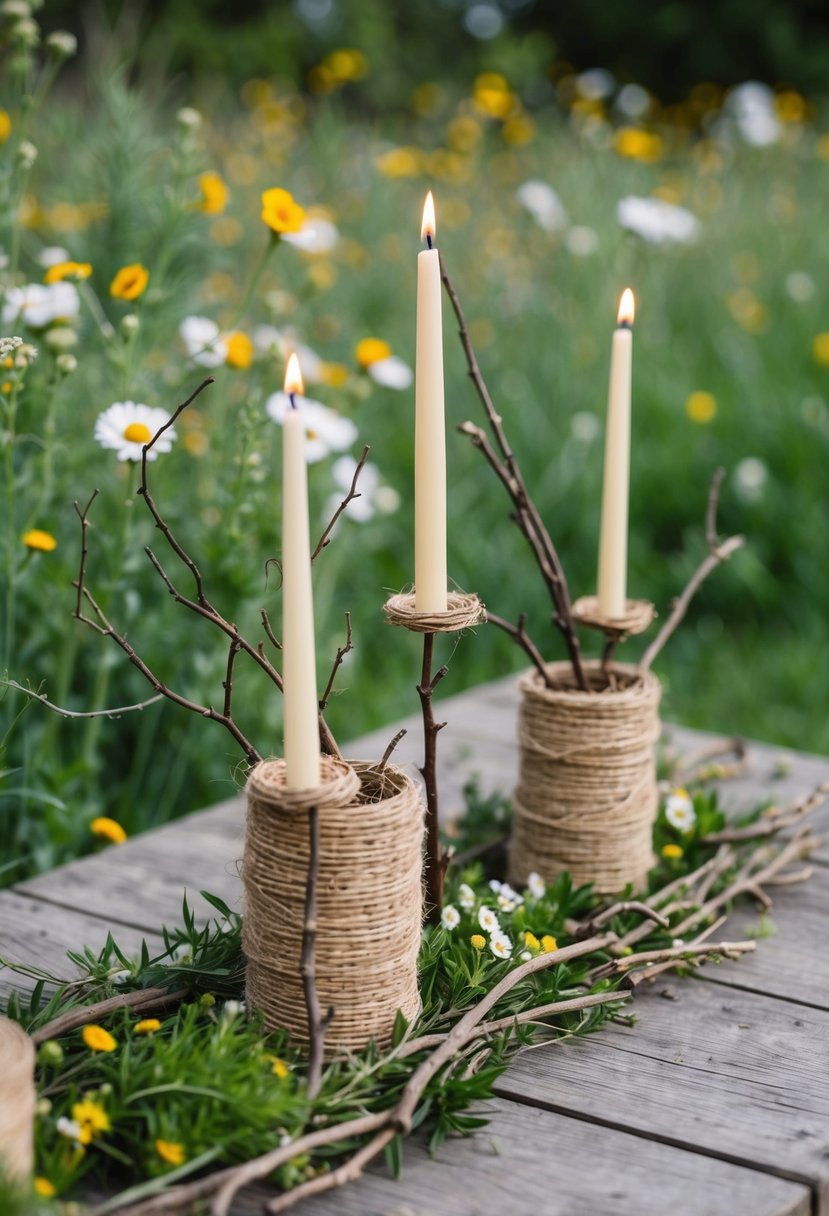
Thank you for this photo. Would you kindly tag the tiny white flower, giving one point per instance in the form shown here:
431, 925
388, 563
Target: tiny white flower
543, 204
126, 427
750, 477
509, 900
633, 101
595, 84
489, 921
450, 917
656, 221
39, 304
70, 1128
326, 430
203, 341
391, 373
62, 43
495, 885
525, 956
679, 811
9, 345
752, 107
51, 255
581, 241
232, 1009
466, 896
500, 945
536, 886
26, 153
119, 977
317, 235
188, 118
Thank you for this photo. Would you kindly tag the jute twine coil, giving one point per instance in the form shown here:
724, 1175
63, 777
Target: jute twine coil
462, 612
369, 903
637, 617
586, 796
17, 1100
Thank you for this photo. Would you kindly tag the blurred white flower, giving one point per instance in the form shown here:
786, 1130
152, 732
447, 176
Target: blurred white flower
325, 430
488, 921
450, 917
52, 255
272, 341
386, 500
317, 235
466, 896
233, 1009
679, 810
203, 341
585, 426
800, 286
536, 885
391, 373
750, 477
633, 101
39, 304
751, 105
508, 900
543, 204
581, 241
595, 84
656, 221
126, 427
70, 1128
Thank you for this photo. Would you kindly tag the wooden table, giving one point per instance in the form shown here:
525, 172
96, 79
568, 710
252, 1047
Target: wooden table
716, 1102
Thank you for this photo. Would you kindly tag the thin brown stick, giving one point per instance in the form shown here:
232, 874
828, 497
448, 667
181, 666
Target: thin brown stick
80, 581
623, 907
774, 821
141, 1000
317, 1023
342, 651
347, 1172
519, 634
353, 493
115, 712
436, 861
227, 683
718, 552
392, 745
266, 625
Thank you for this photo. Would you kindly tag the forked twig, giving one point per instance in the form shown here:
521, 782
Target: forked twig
519, 634
115, 712
342, 651
353, 493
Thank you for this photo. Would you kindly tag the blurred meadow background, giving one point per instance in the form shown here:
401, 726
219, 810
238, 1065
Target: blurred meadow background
571, 154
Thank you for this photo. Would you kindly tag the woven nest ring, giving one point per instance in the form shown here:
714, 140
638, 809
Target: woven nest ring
339, 785
463, 611
637, 617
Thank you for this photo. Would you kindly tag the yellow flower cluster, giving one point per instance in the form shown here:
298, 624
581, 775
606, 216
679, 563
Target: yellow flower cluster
340, 67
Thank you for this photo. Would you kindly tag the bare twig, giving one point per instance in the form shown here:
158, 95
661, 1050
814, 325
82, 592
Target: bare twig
718, 552
317, 1023
353, 493
342, 651
436, 860
392, 745
83, 516
589, 927
227, 683
774, 820
143, 1000
91, 713
266, 625
519, 634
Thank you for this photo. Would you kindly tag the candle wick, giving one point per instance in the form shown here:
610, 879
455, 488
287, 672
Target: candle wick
429, 239
624, 325
292, 399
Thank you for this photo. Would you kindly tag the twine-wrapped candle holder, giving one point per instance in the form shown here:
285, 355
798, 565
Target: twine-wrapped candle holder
369, 899
17, 1100
587, 796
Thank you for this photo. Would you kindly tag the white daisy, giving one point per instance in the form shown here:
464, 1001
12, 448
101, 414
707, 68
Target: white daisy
679, 810
317, 235
500, 945
52, 255
535, 885
392, 372
508, 900
752, 107
525, 956
466, 896
126, 427
581, 241
495, 885
656, 221
489, 921
39, 304
326, 430
450, 917
203, 341
543, 204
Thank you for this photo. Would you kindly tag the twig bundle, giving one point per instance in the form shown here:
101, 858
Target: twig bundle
369, 900
17, 1100
587, 795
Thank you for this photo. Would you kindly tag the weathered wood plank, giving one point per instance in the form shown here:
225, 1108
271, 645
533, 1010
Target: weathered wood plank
731, 1074
39, 934
528, 1162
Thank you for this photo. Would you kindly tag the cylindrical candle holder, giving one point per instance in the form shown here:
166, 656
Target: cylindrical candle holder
587, 796
17, 1100
369, 904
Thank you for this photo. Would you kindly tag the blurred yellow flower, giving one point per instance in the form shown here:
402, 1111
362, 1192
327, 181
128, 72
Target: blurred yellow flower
5, 126
333, 374
67, 270
791, 107
700, 406
492, 95
531, 940
400, 162
463, 133
44, 1187
147, 1026
321, 79
172, 1154
108, 829
239, 350
346, 65
371, 350
130, 282
747, 310
548, 943
637, 144
478, 941
280, 1068
518, 130
213, 193
427, 98
323, 274
280, 212
36, 538
195, 442
672, 852
91, 1116
820, 348
98, 1039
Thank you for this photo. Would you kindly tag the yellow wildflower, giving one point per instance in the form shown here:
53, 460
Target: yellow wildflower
492, 95
44, 1188
672, 852
371, 350
5, 126
170, 1152
820, 349
103, 826
91, 1117
7, 387
791, 107
130, 282
478, 941
747, 310
531, 940
548, 943
67, 270
35, 538
280, 212
195, 442
98, 1039
333, 374
147, 1026
239, 350
637, 144
347, 64
400, 162
213, 193
280, 1068
700, 406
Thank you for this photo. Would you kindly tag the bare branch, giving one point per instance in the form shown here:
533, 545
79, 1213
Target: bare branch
266, 625
519, 634
142, 1000
436, 860
116, 712
392, 745
325, 539
342, 651
83, 516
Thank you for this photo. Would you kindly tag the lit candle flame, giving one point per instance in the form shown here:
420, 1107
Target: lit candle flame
626, 308
427, 228
293, 377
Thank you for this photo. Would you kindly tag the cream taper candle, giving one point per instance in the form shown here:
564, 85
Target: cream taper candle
430, 429
613, 540
299, 671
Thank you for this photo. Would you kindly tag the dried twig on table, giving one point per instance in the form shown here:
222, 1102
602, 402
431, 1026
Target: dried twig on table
718, 552
526, 514
115, 712
773, 820
143, 1000
701, 767
436, 859
353, 493
317, 1023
